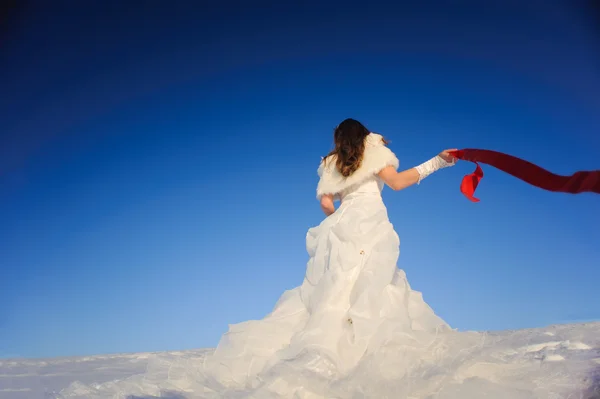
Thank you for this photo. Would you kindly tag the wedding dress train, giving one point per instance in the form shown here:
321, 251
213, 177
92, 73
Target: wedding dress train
352, 301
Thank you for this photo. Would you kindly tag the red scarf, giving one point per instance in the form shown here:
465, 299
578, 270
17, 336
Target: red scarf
579, 182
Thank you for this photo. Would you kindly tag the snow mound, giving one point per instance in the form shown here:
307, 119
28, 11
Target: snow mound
555, 362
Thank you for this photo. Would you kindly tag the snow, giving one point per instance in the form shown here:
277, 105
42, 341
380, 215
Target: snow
561, 361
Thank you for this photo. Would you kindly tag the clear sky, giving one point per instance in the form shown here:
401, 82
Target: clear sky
158, 163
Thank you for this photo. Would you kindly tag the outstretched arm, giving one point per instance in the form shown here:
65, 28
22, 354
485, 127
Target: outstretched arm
400, 180
327, 204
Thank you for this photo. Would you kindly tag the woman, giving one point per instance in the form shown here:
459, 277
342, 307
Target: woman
353, 298
351, 138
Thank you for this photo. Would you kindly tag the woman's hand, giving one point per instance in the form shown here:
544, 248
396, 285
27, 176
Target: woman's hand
327, 204
445, 155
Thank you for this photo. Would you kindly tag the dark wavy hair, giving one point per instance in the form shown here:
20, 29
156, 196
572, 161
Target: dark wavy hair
349, 139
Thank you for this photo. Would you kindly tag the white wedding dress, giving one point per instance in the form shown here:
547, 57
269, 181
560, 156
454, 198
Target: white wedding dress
353, 298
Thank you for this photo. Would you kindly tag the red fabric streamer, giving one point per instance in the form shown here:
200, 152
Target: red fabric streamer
579, 182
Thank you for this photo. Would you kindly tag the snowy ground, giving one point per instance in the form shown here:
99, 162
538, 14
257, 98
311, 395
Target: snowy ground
555, 362
33, 378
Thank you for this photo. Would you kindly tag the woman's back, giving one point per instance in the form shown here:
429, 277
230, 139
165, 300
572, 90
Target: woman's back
364, 179
369, 187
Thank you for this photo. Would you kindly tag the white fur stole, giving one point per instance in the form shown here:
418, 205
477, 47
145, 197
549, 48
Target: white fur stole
376, 157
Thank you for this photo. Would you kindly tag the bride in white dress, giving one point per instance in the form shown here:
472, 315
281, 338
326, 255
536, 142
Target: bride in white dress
353, 299
354, 328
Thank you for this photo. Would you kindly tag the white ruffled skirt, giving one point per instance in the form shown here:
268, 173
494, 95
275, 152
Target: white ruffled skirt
352, 301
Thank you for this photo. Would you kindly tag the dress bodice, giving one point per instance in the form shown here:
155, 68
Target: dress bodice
369, 187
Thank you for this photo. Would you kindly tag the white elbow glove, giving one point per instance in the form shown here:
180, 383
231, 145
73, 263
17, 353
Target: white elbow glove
434, 164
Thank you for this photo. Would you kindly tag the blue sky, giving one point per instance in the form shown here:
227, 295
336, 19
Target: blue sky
158, 164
